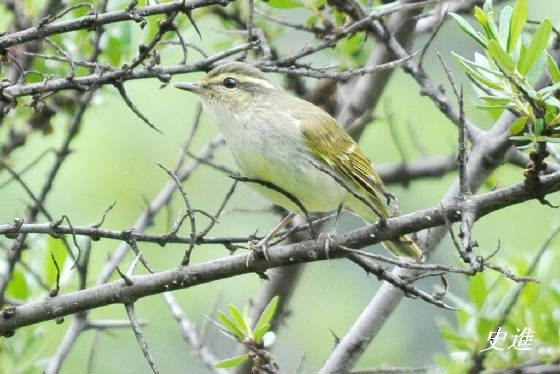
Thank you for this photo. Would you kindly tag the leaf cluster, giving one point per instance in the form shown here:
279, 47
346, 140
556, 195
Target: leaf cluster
240, 325
507, 73
492, 304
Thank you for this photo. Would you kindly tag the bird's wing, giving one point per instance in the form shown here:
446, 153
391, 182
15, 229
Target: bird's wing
332, 145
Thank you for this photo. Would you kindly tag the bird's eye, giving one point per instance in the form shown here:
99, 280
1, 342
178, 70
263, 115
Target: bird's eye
230, 82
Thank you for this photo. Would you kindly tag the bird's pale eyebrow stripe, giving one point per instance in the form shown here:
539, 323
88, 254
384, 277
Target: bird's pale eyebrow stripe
244, 79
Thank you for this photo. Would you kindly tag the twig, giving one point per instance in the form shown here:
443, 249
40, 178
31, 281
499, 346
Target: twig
190, 335
140, 337
97, 20
405, 286
54, 292
118, 75
186, 258
120, 87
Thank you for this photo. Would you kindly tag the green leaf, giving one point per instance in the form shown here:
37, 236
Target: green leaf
259, 332
518, 125
526, 137
537, 70
553, 68
551, 117
548, 90
449, 334
497, 53
312, 21
539, 125
269, 311
59, 251
283, 4
466, 65
247, 318
18, 287
552, 101
537, 46
488, 8
484, 327
518, 20
497, 101
504, 25
238, 319
266, 318
482, 18
549, 139
478, 290
231, 362
228, 324
468, 29
486, 18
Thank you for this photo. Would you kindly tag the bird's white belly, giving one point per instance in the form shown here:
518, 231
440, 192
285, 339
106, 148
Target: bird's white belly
291, 171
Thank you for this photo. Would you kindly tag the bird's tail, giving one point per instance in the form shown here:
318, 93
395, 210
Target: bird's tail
404, 247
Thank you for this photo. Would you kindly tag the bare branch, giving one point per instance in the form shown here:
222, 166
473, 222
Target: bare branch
184, 277
140, 337
92, 21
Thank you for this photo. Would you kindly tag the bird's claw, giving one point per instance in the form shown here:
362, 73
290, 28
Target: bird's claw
328, 238
257, 247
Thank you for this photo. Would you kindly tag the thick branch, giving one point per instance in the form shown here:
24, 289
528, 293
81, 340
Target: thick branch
185, 277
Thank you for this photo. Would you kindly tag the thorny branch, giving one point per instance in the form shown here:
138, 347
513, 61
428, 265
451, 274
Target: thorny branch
184, 277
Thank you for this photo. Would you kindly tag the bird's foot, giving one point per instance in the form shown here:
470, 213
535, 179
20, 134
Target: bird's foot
258, 247
328, 238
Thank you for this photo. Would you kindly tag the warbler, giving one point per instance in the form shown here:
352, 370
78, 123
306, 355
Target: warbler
293, 145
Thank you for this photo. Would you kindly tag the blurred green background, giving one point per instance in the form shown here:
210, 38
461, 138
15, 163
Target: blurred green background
115, 158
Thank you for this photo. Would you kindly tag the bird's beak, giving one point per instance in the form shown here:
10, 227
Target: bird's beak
189, 86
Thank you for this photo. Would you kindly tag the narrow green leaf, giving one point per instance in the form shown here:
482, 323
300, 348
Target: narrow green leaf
504, 25
553, 68
496, 100
548, 90
466, 65
539, 125
486, 19
500, 56
238, 319
551, 117
488, 8
549, 139
537, 70
228, 324
526, 146
283, 4
449, 334
482, 18
478, 290
484, 326
267, 316
269, 311
518, 125
552, 101
524, 137
518, 20
259, 332
468, 29
231, 362
536, 47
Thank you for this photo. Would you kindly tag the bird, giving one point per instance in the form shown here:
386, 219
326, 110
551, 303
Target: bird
298, 151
